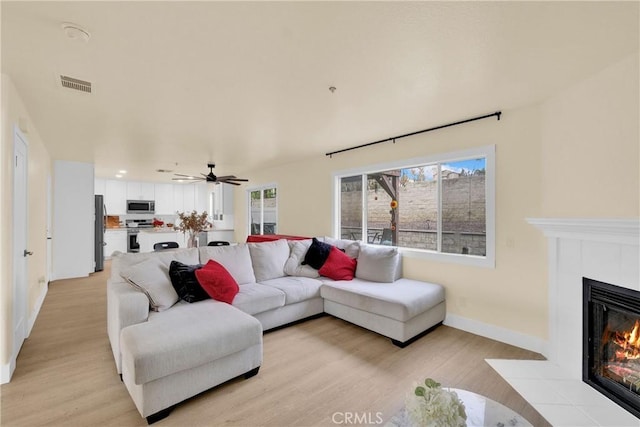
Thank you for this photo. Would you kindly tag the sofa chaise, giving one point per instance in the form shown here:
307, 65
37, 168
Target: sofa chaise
168, 350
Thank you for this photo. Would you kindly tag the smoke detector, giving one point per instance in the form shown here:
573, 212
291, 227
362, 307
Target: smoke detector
76, 32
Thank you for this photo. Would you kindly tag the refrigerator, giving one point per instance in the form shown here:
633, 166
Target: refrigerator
100, 228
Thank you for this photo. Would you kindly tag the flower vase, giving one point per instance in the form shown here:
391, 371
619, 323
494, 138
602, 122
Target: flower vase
192, 240
432, 406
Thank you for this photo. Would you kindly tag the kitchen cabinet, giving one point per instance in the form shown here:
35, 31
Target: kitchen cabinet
224, 235
148, 238
140, 191
202, 197
222, 202
115, 240
115, 197
164, 199
189, 197
169, 198
178, 197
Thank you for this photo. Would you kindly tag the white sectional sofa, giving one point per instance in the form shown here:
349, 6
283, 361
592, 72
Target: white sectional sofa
168, 350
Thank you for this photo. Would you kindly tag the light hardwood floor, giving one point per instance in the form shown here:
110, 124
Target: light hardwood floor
66, 375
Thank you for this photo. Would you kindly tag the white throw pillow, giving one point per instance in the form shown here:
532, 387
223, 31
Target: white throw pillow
350, 247
379, 264
234, 258
152, 278
293, 266
268, 259
123, 261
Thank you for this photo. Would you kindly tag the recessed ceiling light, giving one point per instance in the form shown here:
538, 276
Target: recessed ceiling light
122, 171
118, 175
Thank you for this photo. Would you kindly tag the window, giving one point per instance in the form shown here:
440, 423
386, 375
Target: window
263, 210
438, 207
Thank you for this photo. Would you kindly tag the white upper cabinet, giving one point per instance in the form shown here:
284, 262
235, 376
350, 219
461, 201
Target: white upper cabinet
115, 197
202, 197
222, 202
189, 197
140, 191
178, 197
169, 198
164, 199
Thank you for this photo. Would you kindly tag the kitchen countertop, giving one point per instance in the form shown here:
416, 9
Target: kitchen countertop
170, 230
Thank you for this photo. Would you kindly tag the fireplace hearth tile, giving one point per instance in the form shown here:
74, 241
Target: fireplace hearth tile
579, 393
606, 415
565, 416
537, 391
541, 382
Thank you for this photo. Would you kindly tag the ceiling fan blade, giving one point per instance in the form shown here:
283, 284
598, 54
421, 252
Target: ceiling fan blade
186, 176
236, 179
187, 179
229, 182
226, 177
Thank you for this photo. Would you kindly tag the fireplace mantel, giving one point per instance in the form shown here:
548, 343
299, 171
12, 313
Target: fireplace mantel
603, 230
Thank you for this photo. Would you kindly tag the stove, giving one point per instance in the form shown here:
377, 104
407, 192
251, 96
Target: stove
134, 224
133, 228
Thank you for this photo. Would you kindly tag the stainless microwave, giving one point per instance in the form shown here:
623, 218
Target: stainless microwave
141, 206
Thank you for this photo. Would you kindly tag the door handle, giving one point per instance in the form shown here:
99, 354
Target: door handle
26, 252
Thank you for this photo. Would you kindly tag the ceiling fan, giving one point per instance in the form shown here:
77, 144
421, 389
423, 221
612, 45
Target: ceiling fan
210, 177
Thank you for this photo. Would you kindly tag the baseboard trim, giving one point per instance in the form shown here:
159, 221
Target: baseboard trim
6, 371
497, 333
36, 311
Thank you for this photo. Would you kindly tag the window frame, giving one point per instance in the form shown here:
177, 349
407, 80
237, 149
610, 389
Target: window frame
261, 189
486, 152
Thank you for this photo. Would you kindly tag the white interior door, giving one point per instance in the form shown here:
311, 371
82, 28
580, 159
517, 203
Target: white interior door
49, 234
20, 250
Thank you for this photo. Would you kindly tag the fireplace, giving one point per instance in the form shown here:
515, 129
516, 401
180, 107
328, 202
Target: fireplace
611, 342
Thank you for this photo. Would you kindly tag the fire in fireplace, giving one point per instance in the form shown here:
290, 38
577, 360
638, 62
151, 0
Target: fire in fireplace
611, 342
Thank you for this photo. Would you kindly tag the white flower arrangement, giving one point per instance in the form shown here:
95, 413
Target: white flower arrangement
431, 405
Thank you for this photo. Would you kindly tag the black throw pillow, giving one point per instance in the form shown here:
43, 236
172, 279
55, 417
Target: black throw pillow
317, 254
183, 279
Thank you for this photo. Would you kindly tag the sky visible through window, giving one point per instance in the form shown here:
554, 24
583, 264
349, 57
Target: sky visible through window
469, 166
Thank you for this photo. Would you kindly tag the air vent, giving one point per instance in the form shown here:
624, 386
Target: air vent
71, 83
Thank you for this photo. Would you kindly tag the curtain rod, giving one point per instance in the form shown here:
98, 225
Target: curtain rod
486, 116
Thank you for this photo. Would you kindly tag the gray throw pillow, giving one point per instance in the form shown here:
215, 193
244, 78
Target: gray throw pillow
379, 264
350, 247
151, 277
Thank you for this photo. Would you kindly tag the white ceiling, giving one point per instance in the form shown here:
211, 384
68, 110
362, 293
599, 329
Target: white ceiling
245, 84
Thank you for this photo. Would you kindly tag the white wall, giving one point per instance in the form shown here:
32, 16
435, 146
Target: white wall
513, 295
590, 146
39, 171
574, 154
73, 219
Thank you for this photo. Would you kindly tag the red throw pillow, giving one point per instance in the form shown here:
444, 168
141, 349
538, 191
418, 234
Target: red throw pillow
338, 266
217, 282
